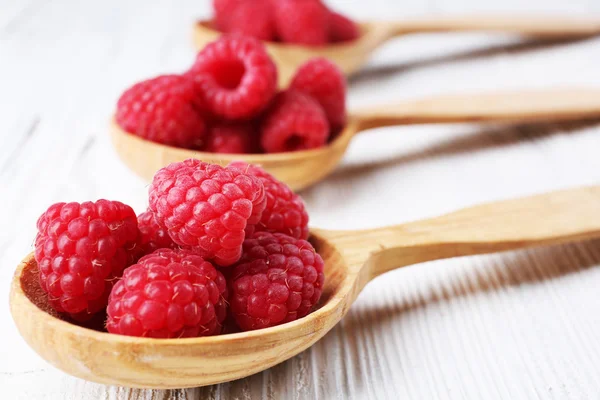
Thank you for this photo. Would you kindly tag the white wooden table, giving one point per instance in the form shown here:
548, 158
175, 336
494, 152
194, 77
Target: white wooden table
521, 325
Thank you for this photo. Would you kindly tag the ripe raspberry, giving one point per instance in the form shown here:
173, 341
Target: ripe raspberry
302, 21
232, 138
254, 19
223, 9
151, 235
279, 279
168, 294
325, 82
162, 110
285, 211
342, 28
80, 249
235, 77
295, 121
207, 207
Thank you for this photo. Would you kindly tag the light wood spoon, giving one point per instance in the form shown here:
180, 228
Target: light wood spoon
352, 259
304, 168
353, 55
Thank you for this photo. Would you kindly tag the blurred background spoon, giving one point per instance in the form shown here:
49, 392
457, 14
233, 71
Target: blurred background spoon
301, 169
350, 56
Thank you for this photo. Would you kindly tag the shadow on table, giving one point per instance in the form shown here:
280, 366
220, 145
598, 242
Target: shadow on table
488, 138
510, 269
384, 71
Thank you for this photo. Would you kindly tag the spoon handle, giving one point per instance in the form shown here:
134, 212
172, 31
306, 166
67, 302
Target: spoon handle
510, 106
538, 26
546, 219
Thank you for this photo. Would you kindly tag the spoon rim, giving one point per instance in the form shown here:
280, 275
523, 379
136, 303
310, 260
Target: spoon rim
17, 293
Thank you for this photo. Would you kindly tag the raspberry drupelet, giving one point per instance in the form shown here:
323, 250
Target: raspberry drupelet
301, 21
232, 138
163, 110
168, 294
207, 207
235, 77
80, 250
324, 81
342, 28
252, 18
295, 121
279, 279
285, 211
223, 10
151, 235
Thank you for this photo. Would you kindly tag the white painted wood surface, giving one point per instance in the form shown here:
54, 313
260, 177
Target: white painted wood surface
521, 325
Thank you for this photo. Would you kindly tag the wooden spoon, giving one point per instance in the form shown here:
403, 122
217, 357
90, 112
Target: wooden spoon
352, 55
303, 168
352, 259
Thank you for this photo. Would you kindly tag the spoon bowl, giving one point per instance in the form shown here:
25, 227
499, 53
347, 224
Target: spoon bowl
299, 169
302, 169
351, 56
175, 363
352, 259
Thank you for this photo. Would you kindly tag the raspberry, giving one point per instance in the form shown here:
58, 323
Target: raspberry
294, 122
151, 235
162, 110
302, 21
207, 207
168, 294
232, 138
279, 279
80, 249
223, 10
342, 28
324, 81
235, 77
252, 18
285, 211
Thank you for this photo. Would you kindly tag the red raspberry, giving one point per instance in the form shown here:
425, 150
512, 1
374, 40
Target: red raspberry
80, 249
207, 207
232, 138
285, 211
223, 9
302, 21
325, 82
279, 279
295, 121
162, 110
151, 235
253, 18
168, 294
342, 28
235, 77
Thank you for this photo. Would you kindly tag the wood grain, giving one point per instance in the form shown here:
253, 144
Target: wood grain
541, 26
518, 325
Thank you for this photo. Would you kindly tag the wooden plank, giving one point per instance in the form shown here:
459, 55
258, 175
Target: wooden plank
510, 326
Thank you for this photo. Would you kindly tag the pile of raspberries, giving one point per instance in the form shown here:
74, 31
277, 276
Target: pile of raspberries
219, 249
228, 102
304, 22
